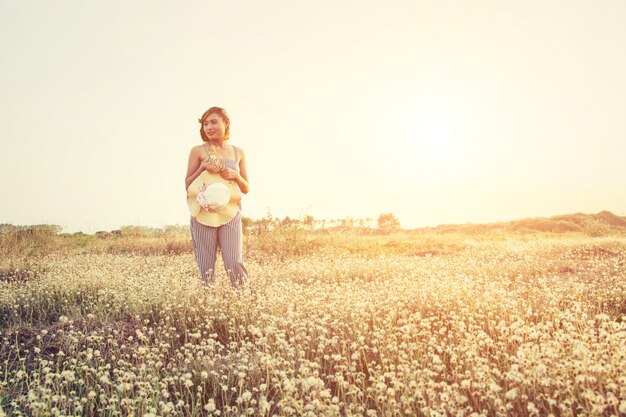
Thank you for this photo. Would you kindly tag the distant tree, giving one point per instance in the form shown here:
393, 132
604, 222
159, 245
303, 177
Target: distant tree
288, 222
102, 234
347, 223
49, 229
309, 221
246, 223
5, 228
265, 224
388, 221
132, 231
176, 230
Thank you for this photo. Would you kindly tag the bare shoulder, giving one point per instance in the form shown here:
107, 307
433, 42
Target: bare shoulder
197, 148
240, 155
196, 151
239, 151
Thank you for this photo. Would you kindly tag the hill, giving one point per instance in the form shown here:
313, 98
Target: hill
599, 224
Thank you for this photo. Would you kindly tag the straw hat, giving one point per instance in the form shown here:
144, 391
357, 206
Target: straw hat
213, 200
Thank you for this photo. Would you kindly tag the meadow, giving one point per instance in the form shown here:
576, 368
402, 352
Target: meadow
450, 321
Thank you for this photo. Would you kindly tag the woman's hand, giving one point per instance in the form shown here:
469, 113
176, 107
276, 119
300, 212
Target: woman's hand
229, 174
208, 165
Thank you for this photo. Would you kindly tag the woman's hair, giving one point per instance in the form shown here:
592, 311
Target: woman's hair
221, 113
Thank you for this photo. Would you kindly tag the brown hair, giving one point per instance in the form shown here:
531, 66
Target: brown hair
221, 113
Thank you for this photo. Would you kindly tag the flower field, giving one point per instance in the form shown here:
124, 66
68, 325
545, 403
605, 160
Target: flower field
509, 326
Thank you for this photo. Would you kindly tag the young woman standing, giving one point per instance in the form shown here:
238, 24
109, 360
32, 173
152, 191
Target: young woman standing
217, 156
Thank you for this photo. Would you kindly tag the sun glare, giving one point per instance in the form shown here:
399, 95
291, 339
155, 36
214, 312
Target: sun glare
430, 128
430, 133
430, 124
433, 133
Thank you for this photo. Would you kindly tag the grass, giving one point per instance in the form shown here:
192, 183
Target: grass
333, 323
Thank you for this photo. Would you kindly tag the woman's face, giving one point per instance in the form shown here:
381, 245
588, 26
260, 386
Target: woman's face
214, 127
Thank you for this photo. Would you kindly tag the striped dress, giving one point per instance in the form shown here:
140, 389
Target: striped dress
228, 238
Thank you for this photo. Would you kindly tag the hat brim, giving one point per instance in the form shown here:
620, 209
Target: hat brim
208, 217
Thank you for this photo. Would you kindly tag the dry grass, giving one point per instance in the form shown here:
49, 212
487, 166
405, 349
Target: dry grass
331, 324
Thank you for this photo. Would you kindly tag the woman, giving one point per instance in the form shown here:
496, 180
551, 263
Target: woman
216, 155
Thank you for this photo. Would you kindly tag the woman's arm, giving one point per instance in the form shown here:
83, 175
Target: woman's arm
241, 177
194, 168
242, 181
197, 164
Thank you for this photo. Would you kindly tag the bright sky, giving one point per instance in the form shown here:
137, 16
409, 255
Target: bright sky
437, 111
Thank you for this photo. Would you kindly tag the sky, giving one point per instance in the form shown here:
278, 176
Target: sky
439, 112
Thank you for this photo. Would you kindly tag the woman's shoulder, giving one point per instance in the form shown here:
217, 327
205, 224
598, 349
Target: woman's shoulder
237, 149
197, 149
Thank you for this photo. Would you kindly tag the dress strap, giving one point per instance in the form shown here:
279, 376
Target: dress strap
207, 152
235, 148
